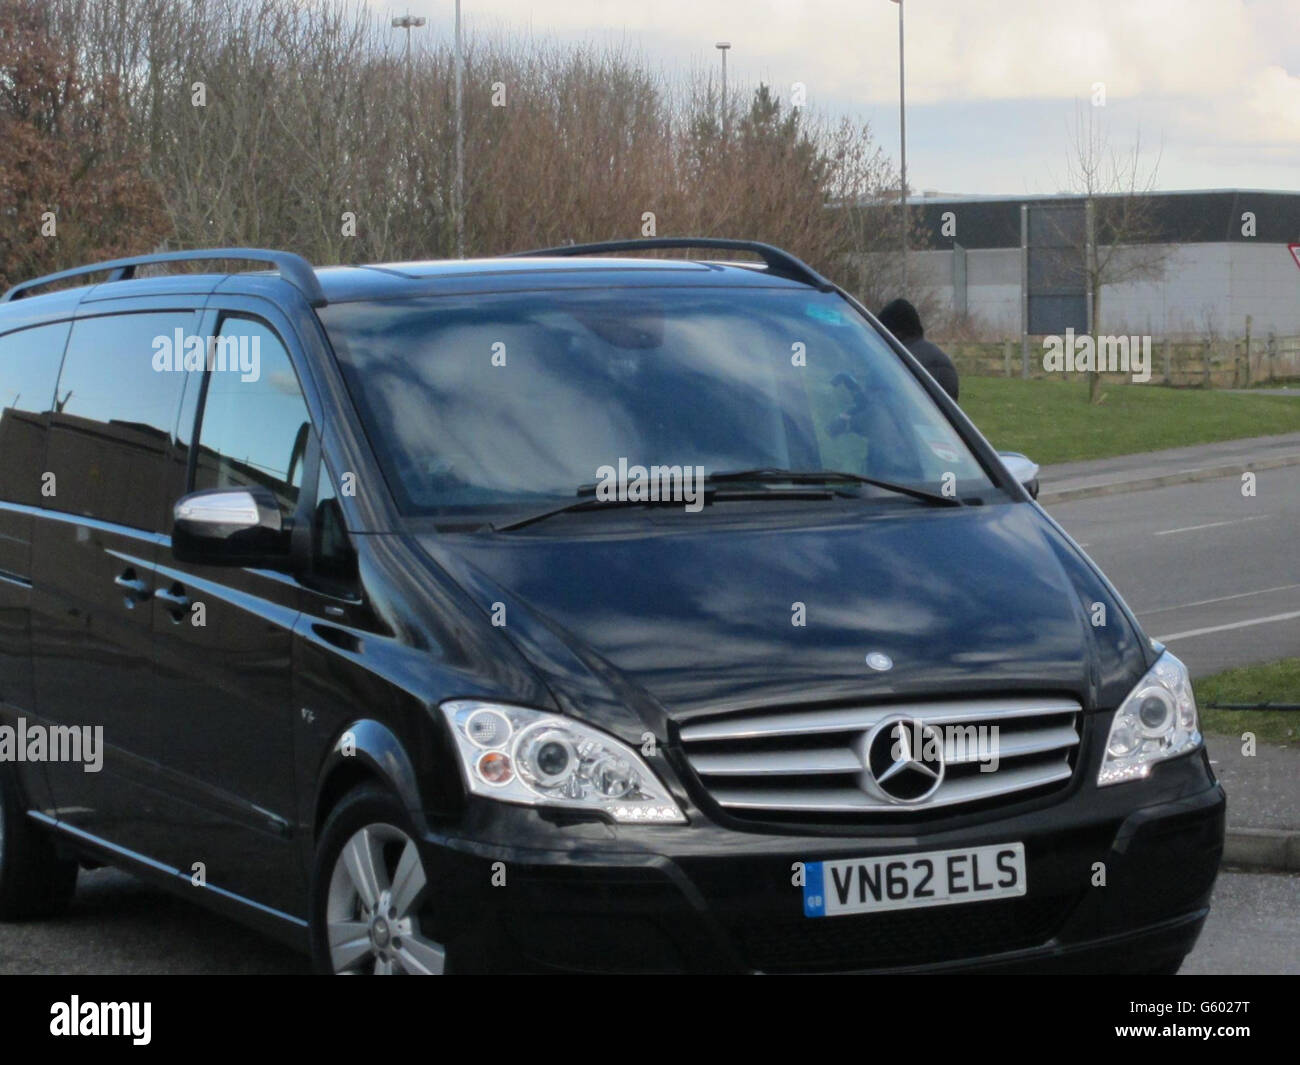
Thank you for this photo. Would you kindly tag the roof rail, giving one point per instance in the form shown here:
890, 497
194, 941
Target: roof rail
778, 262
293, 268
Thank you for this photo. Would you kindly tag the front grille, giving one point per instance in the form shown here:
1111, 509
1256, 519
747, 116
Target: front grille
814, 762
902, 937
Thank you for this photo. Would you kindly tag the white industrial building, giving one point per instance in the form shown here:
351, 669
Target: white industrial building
1231, 254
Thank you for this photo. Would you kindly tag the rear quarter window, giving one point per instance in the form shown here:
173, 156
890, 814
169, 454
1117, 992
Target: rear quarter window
113, 419
29, 368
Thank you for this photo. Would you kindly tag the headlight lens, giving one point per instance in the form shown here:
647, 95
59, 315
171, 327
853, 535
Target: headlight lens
543, 759
1156, 721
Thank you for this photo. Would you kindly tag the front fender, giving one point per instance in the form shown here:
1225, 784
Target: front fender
373, 749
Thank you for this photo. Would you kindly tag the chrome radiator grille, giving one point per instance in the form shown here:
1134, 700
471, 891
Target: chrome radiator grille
818, 762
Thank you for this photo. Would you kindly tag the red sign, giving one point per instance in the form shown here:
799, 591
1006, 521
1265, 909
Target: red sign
1295, 252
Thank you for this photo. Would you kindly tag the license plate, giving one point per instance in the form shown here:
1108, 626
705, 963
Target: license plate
907, 881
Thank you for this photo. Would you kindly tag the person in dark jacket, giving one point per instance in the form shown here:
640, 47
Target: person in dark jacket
901, 319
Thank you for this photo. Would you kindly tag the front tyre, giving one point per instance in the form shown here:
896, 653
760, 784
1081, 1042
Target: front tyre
368, 888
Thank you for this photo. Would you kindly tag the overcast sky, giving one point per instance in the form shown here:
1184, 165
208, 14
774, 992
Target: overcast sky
1213, 86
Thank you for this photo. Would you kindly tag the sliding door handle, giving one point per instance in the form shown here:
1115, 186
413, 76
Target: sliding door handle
176, 600
137, 591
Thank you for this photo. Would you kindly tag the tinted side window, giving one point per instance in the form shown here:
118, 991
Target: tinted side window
29, 368
253, 429
113, 418
334, 562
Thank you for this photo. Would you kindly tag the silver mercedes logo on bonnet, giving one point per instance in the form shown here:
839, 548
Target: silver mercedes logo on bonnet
903, 757
880, 661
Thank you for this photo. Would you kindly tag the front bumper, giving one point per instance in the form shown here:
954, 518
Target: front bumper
1119, 880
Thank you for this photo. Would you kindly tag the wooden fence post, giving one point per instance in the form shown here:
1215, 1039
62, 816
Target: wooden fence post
1248, 321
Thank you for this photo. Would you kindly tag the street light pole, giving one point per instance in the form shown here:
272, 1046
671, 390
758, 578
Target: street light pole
460, 141
723, 46
407, 22
902, 141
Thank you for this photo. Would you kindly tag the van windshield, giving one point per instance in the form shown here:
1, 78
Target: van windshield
486, 403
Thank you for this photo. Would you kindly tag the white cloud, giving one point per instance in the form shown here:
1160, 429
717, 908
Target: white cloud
1273, 106
967, 49
1214, 80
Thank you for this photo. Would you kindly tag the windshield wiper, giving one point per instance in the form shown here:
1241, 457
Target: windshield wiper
774, 475
764, 475
587, 501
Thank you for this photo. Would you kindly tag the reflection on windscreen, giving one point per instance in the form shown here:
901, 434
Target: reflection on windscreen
503, 399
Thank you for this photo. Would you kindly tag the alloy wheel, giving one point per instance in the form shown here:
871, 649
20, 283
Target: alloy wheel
372, 911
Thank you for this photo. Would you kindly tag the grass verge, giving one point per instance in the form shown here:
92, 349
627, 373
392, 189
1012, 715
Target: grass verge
1052, 421
1275, 682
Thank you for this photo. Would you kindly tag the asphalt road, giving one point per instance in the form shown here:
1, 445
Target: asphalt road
1252, 927
120, 926
1212, 573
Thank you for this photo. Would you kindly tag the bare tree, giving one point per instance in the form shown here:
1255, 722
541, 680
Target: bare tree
1118, 243
295, 123
69, 186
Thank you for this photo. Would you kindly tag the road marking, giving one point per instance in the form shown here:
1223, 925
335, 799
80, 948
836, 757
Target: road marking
1220, 599
1224, 628
1210, 525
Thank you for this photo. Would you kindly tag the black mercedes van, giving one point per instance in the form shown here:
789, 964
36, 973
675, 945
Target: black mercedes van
565, 611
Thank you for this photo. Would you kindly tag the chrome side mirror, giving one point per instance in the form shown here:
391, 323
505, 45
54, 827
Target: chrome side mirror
1023, 469
230, 527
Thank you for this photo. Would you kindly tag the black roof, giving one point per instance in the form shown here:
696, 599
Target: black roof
577, 266
344, 284
1176, 217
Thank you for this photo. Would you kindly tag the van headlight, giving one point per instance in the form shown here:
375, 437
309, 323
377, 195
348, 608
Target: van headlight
541, 758
1156, 721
